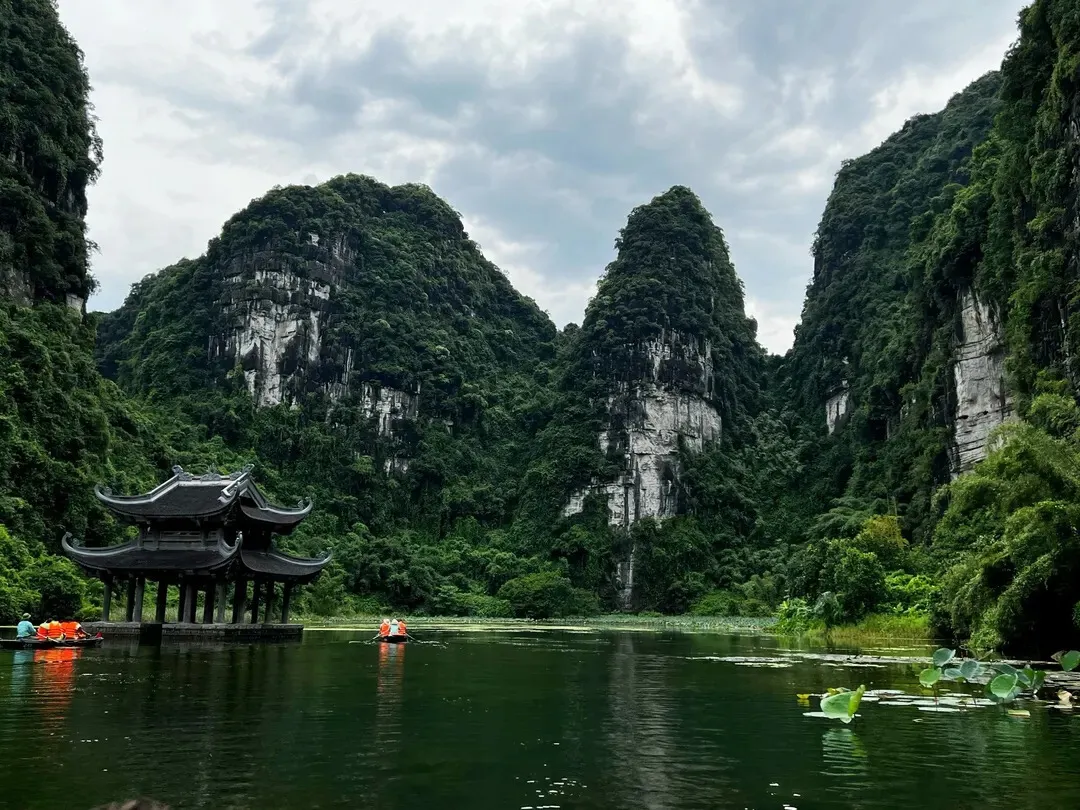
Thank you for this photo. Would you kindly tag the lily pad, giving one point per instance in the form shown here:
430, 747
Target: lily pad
970, 669
842, 705
942, 656
929, 676
1003, 686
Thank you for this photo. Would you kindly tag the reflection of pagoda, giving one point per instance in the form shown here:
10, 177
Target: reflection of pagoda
200, 534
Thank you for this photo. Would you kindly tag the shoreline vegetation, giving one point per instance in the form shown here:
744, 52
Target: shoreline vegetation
871, 629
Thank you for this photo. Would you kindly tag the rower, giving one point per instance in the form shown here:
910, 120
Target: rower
384, 628
401, 627
26, 629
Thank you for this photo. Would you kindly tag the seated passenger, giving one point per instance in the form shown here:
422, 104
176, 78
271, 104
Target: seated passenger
43, 630
394, 627
401, 627
26, 629
72, 630
56, 630
384, 628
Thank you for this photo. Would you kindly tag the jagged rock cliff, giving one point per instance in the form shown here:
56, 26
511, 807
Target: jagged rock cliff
49, 155
368, 314
982, 400
903, 386
672, 360
650, 420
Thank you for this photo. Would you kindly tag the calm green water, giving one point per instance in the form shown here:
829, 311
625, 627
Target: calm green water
500, 720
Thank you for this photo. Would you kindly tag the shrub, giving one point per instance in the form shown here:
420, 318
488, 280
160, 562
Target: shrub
794, 616
547, 595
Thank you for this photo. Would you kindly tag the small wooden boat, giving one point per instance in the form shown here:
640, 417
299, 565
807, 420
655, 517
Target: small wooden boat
393, 639
48, 643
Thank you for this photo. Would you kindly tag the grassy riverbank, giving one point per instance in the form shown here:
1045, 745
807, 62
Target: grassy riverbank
614, 622
871, 630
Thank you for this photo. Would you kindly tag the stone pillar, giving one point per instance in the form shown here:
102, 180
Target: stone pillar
162, 599
268, 611
129, 611
106, 599
180, 607
140, 589
191, 602
286, 598
239, 598
256, 586
220, 600
208, 605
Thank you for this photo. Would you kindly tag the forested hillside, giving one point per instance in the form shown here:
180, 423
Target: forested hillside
915, 453
61, 425
939, 324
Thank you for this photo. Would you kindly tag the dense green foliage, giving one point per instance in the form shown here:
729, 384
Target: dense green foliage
442, 424
991, 211
49, 154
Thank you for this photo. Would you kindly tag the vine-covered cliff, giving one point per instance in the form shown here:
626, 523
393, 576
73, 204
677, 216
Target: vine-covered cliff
915, 452
665, 363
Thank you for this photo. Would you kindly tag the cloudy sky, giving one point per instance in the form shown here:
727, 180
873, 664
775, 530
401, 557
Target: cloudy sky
543, 121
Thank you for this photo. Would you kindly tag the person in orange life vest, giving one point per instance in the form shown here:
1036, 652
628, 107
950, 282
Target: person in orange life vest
56, 630
384, 628
43, 630
72, 630
402, 631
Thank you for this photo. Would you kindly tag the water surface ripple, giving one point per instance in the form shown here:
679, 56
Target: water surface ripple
501, 720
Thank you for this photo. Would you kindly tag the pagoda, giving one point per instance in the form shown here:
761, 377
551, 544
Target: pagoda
201, 534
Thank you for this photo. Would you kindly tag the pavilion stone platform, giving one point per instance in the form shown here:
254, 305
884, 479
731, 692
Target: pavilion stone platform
208, 536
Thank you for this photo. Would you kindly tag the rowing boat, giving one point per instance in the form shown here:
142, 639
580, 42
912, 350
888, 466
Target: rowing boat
393, 639
48, 643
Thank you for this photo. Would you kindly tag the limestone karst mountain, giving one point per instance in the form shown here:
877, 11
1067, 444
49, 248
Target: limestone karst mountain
672, 362
354, 343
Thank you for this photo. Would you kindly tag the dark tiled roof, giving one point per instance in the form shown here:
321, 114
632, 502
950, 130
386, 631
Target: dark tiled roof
281, 521
274, 564
187, 496
129, 557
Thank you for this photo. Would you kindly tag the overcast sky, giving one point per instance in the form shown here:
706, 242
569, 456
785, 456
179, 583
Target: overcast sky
543, 121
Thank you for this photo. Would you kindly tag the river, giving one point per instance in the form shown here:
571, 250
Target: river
506, 719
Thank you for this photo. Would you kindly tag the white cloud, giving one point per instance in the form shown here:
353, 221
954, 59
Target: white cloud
563, 301
543, 121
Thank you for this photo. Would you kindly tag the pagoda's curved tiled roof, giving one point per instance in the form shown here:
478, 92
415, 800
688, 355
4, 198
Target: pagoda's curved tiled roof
273, 564
198, 497
130, 557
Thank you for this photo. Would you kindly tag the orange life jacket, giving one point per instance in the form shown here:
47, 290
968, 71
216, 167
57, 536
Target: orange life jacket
401, 628
55, 630
43, 630
71, 629
384, 629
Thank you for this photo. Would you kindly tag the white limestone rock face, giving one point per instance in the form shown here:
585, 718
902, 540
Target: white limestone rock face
982, 400
276, 303
837, 407
647, 419
15, 285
